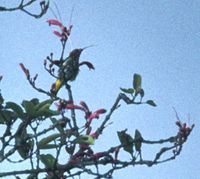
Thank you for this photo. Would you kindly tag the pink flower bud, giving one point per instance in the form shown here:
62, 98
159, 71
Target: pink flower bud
26, 71
101, 111
55, 22
84, 105
96, 114
58, 34
72, 106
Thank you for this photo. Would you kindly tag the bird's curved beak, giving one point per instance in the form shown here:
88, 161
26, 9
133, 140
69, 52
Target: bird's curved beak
87, 47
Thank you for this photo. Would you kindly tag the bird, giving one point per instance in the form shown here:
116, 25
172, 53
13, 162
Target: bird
69, 69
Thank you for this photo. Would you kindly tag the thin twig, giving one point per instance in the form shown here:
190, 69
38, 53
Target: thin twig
21, 6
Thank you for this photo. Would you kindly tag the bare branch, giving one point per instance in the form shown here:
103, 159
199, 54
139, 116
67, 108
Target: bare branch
44, 5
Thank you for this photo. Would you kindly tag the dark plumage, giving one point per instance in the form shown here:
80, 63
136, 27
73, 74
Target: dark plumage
70, 67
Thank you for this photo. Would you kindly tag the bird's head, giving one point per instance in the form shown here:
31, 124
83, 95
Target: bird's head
76, 52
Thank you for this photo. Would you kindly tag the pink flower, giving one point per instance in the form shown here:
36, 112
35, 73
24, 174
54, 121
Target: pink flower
184, 129
24, 69
96, 114
65, 32
183, 126
57, 33
88, 114
84, 105
55, 22
72, 106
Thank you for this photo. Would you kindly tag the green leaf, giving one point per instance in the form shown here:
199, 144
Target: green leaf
137, 81
48, 146
24, 147
6, 116
23, 142
29, 108
43, 104
151, 103
84, 139
42, 109
2, 118
46, 112
35, 101
48, 160
138, 140
23, 153
140, 91
126, 141
59, 127
16, 108
43, 142
128, 90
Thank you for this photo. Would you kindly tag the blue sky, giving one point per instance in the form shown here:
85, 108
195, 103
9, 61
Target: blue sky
158, 39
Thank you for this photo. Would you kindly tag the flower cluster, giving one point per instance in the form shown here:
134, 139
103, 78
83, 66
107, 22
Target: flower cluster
89, 115
184, 130
65, 32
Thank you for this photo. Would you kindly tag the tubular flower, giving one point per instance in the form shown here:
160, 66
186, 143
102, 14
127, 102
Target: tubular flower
88, 114
57, 33
55, 22
65, 32
24, 69
73, 106
184, 130
96, 114
85, 106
